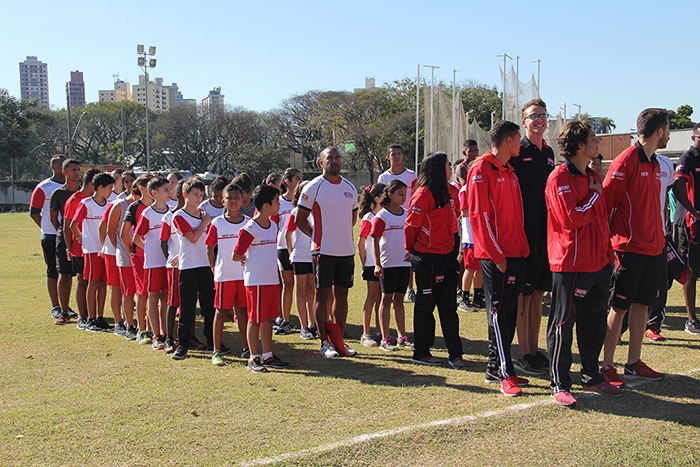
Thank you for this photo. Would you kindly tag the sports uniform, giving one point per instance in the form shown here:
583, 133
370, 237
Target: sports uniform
40, 204
470, 261
408, 177
126, 272
228, 274
110, 251
301, 246
365, 229
57, 203
388, 227
89, 215
686, 229
76, 251
149, 227
168, 233
210, 209
283, 216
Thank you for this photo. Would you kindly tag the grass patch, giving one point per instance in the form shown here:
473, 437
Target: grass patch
68, 397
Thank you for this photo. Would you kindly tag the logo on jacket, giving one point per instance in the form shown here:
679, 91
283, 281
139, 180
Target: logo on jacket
580, 292
618, 175
644, 174
477, 178
349, 195
511, 279
416, 209
564, 189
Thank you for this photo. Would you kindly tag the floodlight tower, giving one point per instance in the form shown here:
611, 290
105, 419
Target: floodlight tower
145, 63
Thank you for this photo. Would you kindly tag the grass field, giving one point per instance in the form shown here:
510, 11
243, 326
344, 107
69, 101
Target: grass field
69, 397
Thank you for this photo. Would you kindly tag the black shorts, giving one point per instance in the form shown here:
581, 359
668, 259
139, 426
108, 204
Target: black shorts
283, 260
333, 270
78, 264
368, 274
303, 268
48, 246
689, 250
395, 280
538, 276
637, 279
63, 266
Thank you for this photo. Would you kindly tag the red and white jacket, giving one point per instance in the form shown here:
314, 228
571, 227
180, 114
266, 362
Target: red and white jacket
429, 229
578, 237
631, 190
496, 210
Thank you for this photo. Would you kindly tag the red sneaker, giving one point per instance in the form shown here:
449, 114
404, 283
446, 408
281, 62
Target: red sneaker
612, 377
520, 381
640, 370
510, 388
564, 398
605, 388
654, 335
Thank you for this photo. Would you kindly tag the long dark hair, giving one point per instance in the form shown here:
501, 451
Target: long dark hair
389, 190
434, 177
367, 198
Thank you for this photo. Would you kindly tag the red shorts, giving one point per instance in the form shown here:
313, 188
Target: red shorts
263, 302
112, 270
469, 261
94, 269
156, 279
139, 278
126, 279
173, 287
229, 294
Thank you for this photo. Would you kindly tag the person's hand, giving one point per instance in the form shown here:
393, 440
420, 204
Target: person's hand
68, 256
594, 184
378, 271
407, 256
696, 215
502, 266
174, 262
206, 218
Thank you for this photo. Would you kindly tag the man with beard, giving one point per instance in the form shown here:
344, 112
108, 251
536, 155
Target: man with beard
332, 200
631, 192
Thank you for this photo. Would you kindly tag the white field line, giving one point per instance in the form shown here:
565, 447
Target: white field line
422, 426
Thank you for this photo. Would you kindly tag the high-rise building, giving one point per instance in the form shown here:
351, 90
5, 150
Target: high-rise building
174, 95
76, 89
121, 92
214, 98
34, 79
157, 94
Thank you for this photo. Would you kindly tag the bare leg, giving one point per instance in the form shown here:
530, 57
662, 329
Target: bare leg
242, 315
385, 314
612, 336
371, 301
101, 298
141, 302
52, 287
321, 310
115, 302
266, 335
689, 289
81, 296
128, 301
91, 299
300, 300
399, 314
163, 313
340, 306
65, 284
638, 324
478, 281
218, 328
153, 313
253, 334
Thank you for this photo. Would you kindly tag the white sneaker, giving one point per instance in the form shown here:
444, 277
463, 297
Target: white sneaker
328, 350
410, 296
368, 341
349, 352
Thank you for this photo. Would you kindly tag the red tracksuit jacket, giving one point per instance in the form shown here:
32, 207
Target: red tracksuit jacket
429, 229
631, 190
578, 237
496, 210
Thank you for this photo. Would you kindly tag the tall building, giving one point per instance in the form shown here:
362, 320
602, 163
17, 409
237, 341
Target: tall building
121, 92
76, 89
34, 80
157, 94
174, 95
214, 98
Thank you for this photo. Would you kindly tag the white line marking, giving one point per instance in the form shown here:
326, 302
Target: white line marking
422, 426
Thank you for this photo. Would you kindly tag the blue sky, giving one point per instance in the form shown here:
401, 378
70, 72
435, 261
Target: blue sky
614, 58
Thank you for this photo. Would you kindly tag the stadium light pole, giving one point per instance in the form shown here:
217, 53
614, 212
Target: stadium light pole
578, 115
503, 106
145, 63
564, 109
538, 61
454, 112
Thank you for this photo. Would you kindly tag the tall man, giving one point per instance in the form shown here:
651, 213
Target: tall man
533, 165
39, 212
686, 188
333, 202
500, 243
580, 254
631, 190
397, 171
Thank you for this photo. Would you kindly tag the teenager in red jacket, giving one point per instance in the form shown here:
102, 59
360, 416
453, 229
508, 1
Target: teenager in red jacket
496, 213
429, 233
580, 257
631, 190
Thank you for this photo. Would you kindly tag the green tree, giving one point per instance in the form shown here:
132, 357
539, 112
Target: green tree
480, 100
680, 118
258, 161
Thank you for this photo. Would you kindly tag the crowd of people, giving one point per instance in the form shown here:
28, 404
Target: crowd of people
512, 224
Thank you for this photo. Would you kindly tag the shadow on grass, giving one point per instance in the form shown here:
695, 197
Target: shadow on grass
654, 400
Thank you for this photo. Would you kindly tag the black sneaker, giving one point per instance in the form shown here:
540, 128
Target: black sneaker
492, 378
314, 330
542, 359
56, 312
104, 325
256, 366
131, 333
93, 326
275, 362
277, 322
180, 353
169, 345
245, 353
224, 350
283, 328
82, 322
120, 328
478, 301
72, 313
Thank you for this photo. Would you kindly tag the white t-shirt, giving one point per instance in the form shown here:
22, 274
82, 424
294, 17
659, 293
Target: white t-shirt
225, 234
123, 255
108, 248
192, 255
301, 243
40, 200
388, 228
89, 214
170, 234
284, 212
149, 227
466, 226
365, 229
172, 204
408, 176
666, 173
331, 205
259, 245
210, 209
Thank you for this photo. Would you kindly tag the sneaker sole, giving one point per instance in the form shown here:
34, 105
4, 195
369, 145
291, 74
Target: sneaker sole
600, 391
511, 395
643, 377
257, 371
693, 333
178, 357
571, 405
332, 355
529, 372
421, 362
217, 363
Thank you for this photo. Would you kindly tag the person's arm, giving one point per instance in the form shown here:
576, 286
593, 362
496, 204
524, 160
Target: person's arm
211, 240
102, 230
193, 235
568, 211
290, 228
681, 193
615, 184
211, 256
125, 234
354, 217
481, 216
140, 232
420, 203
378, 227
113, 222
164, 237
36, 204
303, 221
53, 215
76, 223
365, 228
245, 238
